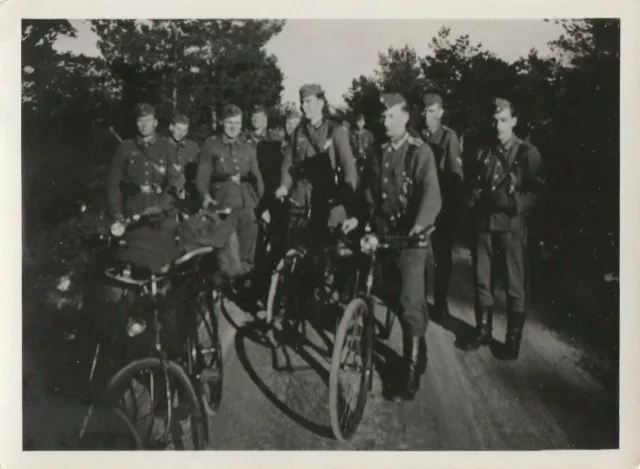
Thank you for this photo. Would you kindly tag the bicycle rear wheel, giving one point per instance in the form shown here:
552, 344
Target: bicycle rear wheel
209, 353
148, 393
351, 369
286, 290
110, 429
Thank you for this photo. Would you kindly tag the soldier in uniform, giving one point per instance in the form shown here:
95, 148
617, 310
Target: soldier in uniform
292, 119
446, 148
506, 177
228, 176
187, 153
361, 142
402, 196
319, 167
143, 169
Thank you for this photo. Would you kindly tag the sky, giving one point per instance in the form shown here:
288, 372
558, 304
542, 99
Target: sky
333, 52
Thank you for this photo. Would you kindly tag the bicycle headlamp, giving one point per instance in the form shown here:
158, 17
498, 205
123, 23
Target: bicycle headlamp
369, 243
135, 327
117, 229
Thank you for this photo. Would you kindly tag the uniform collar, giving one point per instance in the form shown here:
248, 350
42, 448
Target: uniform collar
436, 133
151, 141
177, 143
317, 126
227, 141
508, 144
400, 142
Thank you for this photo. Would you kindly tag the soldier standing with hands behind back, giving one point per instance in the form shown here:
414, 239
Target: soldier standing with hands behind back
506, 177
446, 148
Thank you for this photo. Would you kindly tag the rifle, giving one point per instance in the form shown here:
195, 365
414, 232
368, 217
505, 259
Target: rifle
113, 132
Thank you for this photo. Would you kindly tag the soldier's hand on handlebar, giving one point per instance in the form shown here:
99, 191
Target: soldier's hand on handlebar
416, 230
281, 193
349, 225
266, 216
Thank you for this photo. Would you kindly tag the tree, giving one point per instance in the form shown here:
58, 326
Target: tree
192, 65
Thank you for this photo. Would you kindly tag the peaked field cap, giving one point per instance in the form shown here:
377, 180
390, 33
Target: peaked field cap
230, 110
180, 119
500, 104
392, 99
258, 108
144, 109
310, 89
432, 98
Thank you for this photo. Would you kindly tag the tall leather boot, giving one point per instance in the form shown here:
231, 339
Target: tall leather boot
483, 335
415, 357
515, 324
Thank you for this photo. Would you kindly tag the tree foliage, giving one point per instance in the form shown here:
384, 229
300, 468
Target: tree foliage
70, 101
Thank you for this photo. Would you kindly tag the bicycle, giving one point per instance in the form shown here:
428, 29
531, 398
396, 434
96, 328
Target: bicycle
286, 287
199, 362
352, 357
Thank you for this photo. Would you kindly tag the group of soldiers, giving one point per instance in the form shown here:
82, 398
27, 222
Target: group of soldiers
403, 186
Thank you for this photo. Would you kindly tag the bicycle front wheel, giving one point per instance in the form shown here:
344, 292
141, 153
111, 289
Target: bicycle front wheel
351, 369
160, 401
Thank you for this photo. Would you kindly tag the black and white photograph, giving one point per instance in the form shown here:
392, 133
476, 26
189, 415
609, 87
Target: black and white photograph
309, 234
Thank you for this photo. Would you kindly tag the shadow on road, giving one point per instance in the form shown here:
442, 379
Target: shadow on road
255, 333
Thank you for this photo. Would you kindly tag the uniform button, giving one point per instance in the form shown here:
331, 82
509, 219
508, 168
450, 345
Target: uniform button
384, 196
495, 176
386, 165
385, 180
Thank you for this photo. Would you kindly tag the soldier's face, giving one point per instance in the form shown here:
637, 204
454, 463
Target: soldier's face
232, 126
179, 131
395, 121
360, 124
291, 124
147, 124
503, 124
433, 115
259, 121
312, 107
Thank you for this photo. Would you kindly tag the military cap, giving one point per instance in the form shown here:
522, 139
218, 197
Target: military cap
258, 108
144, 109
230, 110
392, 99
180, 119
432, 98
500, 104
292, 113
310, 89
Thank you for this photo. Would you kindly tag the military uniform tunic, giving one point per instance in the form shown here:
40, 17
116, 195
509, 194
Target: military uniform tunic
361, 142
221, 161
446, 148
188, 153
506, 180
400, 189
140, 174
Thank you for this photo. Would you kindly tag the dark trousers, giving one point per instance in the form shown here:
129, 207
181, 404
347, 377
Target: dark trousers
404, 277
246, 227
442, 244
513, 246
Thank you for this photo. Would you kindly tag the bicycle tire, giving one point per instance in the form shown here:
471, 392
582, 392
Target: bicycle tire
208, 333
106, 434
125, 375
344, 431
284, 268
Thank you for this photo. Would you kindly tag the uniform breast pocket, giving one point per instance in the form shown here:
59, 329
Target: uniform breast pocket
132, 167
221, 166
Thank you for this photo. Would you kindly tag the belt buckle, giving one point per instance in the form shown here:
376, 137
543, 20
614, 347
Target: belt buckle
146, 189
